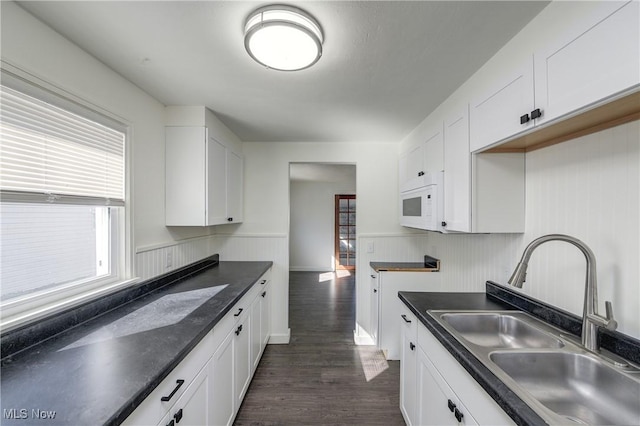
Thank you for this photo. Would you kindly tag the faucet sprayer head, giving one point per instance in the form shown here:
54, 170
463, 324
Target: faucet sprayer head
519, 275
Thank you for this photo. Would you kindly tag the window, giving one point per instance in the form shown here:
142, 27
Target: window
345, 231
62, 188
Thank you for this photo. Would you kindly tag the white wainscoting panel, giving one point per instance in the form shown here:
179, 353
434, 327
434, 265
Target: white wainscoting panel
467, 261
154, 261
266, 247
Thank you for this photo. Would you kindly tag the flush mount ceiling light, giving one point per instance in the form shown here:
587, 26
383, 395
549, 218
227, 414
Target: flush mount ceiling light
283, 38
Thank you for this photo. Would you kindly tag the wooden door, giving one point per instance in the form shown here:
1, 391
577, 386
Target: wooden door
345, 232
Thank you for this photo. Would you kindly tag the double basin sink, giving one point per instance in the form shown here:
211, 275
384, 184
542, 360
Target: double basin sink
547, 369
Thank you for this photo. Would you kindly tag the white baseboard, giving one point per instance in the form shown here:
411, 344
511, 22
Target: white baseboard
280, 339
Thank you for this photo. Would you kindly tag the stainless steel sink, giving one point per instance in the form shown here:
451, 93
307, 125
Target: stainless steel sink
500, 330
547, 369
576, 386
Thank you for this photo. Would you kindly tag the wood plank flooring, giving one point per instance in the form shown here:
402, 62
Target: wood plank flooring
321, 377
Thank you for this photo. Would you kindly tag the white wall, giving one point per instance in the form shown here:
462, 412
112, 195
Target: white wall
312, 223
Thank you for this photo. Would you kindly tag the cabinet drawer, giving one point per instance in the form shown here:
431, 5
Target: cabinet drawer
191, 409
153, 408
408, 323
238, 311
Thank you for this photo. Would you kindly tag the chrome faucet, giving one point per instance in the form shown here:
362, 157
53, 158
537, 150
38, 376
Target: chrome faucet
590, 317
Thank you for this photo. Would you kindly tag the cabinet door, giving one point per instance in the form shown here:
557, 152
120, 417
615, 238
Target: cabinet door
434, 149
408, 364
265, 315
496, 113
185, 176
374, 294
457, 170
234, 188
192, 409
593, 60
242, 359
254, 332
216, 183
222, 397
437, 404
411, 168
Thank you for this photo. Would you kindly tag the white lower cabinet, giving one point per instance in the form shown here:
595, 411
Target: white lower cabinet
192, 407
260, 323
390, 306
436, 390
208, 386
439, 405
374, 307
408, 357
242, 359
223, 396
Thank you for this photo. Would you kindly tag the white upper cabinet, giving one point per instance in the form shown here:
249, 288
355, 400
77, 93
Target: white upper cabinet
203, 179
590, 61
424, 158
457, 170
216, 171
572, 57
203, 170
234, 192
411, 169
503, 108
482, 192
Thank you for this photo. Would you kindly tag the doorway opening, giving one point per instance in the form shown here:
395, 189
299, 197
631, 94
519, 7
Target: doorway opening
316, 224
345, 232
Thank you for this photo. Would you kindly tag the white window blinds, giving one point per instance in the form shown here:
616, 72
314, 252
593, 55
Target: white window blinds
47, 153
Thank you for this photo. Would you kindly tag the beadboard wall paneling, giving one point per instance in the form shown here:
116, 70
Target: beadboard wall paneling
266, 247
588, 188
153, 261
467, 261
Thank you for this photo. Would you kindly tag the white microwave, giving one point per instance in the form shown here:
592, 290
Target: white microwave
423, 208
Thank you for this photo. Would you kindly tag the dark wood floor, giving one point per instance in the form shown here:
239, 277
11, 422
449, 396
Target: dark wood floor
322, 377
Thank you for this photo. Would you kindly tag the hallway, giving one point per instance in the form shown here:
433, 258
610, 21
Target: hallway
322, 377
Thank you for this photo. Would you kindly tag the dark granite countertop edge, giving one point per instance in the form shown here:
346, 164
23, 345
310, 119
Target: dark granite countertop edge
401, 266
37, 331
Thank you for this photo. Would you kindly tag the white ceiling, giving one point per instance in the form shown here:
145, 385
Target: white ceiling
386, 64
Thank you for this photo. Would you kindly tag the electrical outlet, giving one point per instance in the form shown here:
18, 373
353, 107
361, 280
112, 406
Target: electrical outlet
370, 248
169, 260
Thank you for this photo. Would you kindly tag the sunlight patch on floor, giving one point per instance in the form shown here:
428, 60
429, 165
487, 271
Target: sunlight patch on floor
328, 276
373, 361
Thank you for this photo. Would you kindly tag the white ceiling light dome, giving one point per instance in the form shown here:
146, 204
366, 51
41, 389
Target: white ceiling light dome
283, 38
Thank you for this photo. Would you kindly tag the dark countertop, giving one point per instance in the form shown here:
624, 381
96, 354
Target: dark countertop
502, 298
100, 370
400, 267
430, 264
